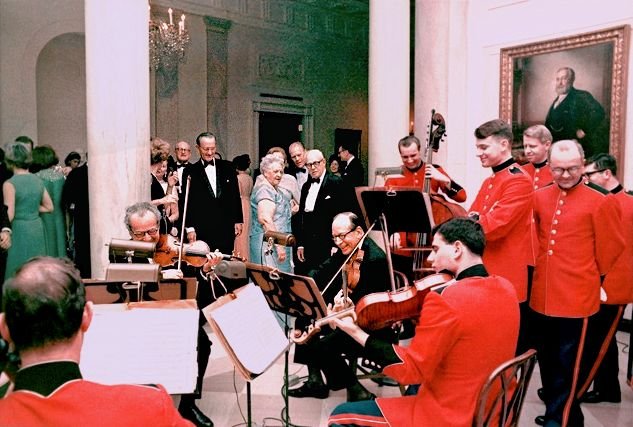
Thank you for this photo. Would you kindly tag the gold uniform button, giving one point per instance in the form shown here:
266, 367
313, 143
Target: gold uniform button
555, 222
553, 232
536, 187
561, 202
536, 178
550, 252
564, 193
558, 212
551, 242
490, 186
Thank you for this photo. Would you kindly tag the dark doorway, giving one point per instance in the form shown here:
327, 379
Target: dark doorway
278, 130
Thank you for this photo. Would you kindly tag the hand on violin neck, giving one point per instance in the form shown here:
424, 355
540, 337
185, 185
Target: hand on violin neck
213, 259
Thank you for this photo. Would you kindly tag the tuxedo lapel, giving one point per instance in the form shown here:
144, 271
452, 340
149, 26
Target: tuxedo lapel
205, 179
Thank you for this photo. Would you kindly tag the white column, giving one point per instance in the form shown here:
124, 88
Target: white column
440, 76
117, 109
388, 81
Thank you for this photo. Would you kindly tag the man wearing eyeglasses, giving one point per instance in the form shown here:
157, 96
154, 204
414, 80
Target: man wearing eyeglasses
617, 292
325, 353
578, 227
322, 197
503, 206
142, 221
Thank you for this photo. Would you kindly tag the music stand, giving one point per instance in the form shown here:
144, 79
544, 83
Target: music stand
292, 295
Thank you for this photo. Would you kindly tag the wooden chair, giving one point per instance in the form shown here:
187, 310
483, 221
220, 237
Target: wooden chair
501, 397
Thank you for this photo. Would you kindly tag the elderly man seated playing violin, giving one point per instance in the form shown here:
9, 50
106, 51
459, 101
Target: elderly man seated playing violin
365, 271
142, 221
462, 335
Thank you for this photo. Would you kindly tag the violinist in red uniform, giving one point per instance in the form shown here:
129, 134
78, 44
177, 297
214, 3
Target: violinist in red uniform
579, 233
462, 336
325, 354
142, 221
617, 288
503, 207
46, 317
414, 172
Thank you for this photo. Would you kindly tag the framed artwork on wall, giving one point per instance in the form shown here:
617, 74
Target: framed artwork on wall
574, 85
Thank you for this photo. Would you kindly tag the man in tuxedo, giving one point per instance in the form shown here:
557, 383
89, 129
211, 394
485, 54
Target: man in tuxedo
183, 156
322, 197
298, 155
575, 114
214, 212
354, 173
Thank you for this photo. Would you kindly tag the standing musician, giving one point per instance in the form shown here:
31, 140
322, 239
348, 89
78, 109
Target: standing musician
142, 221
462, 336
601, 170
325, 353
415, 172
578, 225
503, 207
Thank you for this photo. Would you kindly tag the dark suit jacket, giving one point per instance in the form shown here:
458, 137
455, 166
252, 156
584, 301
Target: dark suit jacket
314, 230
580, 110
213, 215
354, 173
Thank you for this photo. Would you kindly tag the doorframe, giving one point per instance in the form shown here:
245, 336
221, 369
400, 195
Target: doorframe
307, 112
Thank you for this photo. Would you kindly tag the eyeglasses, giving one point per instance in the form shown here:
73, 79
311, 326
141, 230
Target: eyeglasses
151, 232
341, 236
588, 174
314, 164
183, 149
572, 170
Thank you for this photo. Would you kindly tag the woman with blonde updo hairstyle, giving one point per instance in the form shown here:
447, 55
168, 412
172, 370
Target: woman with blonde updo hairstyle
163, 191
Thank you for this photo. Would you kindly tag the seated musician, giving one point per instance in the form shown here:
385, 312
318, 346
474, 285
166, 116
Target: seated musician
415, 171
142, 221
462, 336
45, 318
373, 276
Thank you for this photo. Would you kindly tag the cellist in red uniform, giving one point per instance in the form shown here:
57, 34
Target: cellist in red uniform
600, 358
414, 172
579, 234
462, 336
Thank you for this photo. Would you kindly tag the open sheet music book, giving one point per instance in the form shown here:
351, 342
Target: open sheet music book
143, 343
248, 330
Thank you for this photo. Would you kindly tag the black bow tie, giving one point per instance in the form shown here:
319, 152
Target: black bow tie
315, 180
304, 170
210, 163
181, 165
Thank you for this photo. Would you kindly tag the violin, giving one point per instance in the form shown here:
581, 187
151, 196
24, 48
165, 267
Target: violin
382, 309
168, 251
352, 269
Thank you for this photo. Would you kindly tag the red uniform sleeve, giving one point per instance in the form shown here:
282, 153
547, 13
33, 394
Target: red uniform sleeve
609, 240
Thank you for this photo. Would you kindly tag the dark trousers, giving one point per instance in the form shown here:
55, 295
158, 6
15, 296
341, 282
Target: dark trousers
600, 356
560, 344
526, 338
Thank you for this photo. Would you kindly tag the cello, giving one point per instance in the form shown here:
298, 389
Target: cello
442, 209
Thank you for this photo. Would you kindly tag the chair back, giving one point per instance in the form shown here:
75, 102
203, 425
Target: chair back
501, 397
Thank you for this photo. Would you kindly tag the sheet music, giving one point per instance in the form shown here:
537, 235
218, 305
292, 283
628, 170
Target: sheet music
250, 329
142, 346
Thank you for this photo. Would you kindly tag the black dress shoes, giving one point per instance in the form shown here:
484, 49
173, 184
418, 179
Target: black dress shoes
541, 394
540, 420
191, 412
310, 389
597, 397
357, 393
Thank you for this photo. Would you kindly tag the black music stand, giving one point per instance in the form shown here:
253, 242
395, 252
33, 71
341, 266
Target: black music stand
292, 295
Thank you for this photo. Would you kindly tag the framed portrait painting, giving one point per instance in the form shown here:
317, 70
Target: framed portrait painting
575, 86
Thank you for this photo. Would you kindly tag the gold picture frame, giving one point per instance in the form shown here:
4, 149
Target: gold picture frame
600, 61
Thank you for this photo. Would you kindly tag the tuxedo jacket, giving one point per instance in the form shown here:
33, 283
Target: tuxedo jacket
314, 230
213, 214
354, 173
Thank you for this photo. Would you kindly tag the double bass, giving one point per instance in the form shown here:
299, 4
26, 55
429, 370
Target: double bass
442, 209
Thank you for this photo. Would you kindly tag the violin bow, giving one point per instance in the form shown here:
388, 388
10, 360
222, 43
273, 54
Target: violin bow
358, 245
184, 217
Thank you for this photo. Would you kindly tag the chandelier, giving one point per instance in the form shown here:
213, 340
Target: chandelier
167, 42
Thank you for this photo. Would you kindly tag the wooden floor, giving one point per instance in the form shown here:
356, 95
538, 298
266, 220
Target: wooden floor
224, 397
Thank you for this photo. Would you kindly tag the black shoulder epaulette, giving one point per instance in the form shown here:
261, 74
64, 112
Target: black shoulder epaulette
515, 170
629, 192
597, 188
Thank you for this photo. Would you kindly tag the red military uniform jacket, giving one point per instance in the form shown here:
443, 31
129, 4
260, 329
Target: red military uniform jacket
541, 175
618, 284
54, 395
579, 241
504, 205
462, 336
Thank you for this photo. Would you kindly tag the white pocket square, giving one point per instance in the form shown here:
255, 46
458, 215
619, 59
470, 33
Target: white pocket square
328, 197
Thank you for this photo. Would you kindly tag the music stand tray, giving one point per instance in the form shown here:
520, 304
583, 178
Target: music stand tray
406, 209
